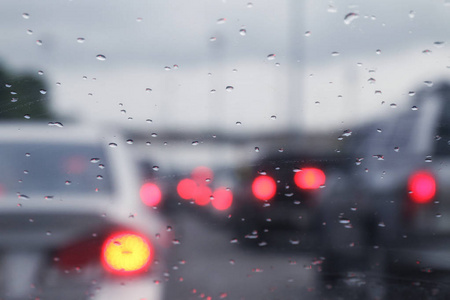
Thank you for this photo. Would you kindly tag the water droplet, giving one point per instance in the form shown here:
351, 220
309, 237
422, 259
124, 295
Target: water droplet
212, 39
344, 220
350, 17
273, 117
294, 241
249, 5
371, 80
335, 53
347, 132
113, 145
80, 40
426, 51
167, 68
412, 14
378, 51
439, 44
414, 108
56, 124
155, 168
331, 9
43, 92
307, 33
139, 20
393, 105
221, 21
29, 31
212, 91
99, 177
411, 93
39, 42
381, 224
396, 149
378, 156
21, 196
101, 57
27, 117
176, 242
26, 15
229, 88
48, 233
40, 72
194, 143
256, 149
271, 56
428, 83
14, 100
438, 215
243, 32
428, 159
129, 141
154, 134
238, 123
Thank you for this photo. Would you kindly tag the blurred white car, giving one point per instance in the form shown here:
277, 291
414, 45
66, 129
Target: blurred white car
72, 224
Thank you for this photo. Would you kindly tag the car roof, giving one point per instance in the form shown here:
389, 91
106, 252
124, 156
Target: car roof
52, 132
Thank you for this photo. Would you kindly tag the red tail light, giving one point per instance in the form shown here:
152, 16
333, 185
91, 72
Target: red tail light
79, 254
264, 187
309, 178
202, 195
150, 194
422, 187
126, 253
202, 175
222, 199
186, 188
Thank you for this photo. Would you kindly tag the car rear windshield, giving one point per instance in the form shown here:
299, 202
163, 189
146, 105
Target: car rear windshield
50, 170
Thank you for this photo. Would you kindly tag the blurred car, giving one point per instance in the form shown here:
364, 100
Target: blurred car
72, 223
278, 194
389, 215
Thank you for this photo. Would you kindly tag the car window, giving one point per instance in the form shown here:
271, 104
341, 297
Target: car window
53, 170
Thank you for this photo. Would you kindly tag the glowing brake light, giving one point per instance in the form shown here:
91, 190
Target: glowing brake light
150, 194
309, 178
222, 199
422, 187
264, 187
186, 188
126, 253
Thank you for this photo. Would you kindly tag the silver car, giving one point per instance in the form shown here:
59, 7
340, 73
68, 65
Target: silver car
75, 224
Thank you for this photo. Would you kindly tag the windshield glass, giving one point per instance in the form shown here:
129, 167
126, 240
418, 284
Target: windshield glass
53, 170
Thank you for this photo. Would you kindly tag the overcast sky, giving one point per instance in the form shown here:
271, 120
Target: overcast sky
318, 77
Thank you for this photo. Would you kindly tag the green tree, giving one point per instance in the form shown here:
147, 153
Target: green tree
23, 94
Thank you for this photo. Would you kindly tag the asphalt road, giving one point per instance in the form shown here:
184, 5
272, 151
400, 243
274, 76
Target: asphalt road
208, 264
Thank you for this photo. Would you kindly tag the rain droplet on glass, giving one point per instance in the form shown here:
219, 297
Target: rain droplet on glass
80, 40
101, 57
350, 17
271, 56
229, 88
